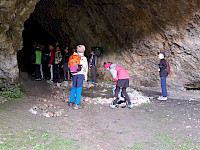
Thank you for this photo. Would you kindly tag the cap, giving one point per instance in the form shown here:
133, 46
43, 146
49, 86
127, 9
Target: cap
107, 65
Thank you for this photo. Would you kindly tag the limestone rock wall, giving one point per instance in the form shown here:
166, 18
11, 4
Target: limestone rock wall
13, 14
131, 32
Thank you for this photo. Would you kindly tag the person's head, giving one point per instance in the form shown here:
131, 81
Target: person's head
51, 47
57, 44
80, 48
161, 55
92, 52
107, 65
66, 50
57, 48
35, 44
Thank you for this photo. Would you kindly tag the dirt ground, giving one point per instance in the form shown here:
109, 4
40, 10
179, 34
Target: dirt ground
171, 124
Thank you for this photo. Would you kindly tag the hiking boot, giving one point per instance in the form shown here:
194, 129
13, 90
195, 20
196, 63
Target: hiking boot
70, 104
130, 106
112, 106
162, 98
78, 107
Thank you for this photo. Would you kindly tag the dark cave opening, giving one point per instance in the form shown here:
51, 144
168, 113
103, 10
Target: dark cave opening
33, 33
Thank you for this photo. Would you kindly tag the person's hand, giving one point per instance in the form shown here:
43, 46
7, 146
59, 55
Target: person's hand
159, 69
49, 65
115, 81
62, 66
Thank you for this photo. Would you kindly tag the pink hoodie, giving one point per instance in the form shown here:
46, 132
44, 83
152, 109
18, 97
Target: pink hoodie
118, 72
121, 73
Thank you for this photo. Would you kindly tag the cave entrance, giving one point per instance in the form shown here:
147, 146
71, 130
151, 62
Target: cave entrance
40, 29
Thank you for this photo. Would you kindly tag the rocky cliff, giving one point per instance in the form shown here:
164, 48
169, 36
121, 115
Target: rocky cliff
131, 32
13, 14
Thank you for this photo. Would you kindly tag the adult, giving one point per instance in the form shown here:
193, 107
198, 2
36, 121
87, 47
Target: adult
163, 75
93, 62
66, 64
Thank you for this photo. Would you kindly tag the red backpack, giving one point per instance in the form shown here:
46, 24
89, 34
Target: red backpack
168, 67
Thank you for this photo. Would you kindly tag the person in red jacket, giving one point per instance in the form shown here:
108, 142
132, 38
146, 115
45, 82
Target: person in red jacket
121, 78
51, 62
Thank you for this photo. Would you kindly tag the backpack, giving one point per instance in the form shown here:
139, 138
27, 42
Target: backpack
168, 67
74, 64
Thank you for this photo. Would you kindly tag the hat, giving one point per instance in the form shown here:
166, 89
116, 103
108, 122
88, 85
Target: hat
163, 53
80, 48
107, 65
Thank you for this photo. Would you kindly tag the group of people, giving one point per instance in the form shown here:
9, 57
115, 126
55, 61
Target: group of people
119, 74
48, 62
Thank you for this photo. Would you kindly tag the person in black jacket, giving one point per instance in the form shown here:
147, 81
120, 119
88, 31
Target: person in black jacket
93, 62
163, 75
66, 64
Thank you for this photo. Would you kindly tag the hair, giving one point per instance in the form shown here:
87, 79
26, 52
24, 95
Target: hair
74, 50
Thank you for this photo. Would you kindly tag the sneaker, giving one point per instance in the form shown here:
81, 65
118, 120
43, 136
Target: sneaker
50, 81
70, 104
112, 106
78, 107
162, 98
130, 106
38, 79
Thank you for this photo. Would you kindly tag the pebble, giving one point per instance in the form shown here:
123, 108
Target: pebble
33, 111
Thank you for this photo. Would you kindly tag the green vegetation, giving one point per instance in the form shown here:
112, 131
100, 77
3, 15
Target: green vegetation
108, 82
165, 142
13, 92
35, 140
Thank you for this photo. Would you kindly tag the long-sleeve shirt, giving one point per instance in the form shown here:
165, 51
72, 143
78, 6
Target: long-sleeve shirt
162, 65
118, 72
52, 53
93, 60
65, 58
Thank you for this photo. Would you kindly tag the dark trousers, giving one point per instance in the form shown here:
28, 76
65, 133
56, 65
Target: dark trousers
66, 71
57, 72
37, 71
45, 68
123, 92
163, 86
93, 74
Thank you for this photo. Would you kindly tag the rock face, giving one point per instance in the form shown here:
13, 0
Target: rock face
131, 33
13, 13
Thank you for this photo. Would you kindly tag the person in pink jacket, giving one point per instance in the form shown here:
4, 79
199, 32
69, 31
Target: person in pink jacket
121, 78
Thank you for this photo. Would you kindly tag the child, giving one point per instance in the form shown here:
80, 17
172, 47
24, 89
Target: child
65, 64
38, 54
121, 78
58, 59
78, 78
93, 62
51, 62
163, 75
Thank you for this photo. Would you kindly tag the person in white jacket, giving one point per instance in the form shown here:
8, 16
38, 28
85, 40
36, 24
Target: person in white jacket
78, 78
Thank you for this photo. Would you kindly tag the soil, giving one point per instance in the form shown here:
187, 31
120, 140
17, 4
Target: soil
148, 126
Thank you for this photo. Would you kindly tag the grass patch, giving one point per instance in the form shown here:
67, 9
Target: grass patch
165, 141
108, 82
12, 92
35, 140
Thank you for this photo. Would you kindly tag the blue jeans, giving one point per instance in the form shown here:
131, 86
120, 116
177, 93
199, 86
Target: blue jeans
77, 88
163, 86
